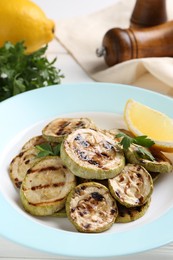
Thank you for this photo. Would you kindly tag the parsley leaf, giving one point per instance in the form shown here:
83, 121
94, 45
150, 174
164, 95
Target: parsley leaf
142, 140
56, 149
46, 149
20, 72
144, 153
126, 141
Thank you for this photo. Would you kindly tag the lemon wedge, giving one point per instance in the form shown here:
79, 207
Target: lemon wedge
143, 120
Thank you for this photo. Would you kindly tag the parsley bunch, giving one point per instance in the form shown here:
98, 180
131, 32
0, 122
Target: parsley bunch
20, 72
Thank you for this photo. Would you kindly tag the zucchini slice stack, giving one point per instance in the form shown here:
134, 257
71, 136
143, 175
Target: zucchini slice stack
76, 170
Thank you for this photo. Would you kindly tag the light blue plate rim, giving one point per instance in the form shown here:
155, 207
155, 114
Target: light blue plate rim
33, 106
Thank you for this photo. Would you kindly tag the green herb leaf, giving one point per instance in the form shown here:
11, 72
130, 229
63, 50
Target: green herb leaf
144, 153
46, 149
142, 140
56, 149
126, 141
20, 72
43, 154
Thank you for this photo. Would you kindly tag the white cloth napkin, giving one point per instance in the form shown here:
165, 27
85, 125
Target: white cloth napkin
81, 37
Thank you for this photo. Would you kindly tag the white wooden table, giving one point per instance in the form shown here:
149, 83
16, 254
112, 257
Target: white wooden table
73, 73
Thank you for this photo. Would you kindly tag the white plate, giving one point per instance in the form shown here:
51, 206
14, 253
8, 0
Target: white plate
23, 117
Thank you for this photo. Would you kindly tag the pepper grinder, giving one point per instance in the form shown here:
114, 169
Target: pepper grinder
132, 43
120, 45
148, 13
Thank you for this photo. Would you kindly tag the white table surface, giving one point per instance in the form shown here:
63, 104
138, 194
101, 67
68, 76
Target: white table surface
73, 73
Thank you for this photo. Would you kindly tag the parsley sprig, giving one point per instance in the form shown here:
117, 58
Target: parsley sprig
142, 140
46, 149
20, 72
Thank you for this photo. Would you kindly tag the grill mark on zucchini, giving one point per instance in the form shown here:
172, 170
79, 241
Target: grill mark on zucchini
63, 125
97, 196
50, 168
61, 130
47, 202
55, 185
17, 183
20, 155
80, 124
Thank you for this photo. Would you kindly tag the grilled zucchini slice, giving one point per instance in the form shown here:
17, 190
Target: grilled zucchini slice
36, 140
91, 208
160, 163
126, 215
116, 131
90, 154
46, 186
60, 213
103, 182
132, 187
21, 163
59, 128
155, 176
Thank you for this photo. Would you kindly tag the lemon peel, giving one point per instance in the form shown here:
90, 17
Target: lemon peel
143, 120
23, 20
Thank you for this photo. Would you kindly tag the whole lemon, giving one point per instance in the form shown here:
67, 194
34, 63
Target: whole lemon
23, 20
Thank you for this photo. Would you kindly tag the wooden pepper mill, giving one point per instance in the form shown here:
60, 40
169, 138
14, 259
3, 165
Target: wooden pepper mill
135, 42
148, 13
